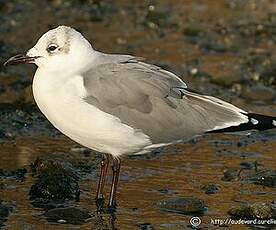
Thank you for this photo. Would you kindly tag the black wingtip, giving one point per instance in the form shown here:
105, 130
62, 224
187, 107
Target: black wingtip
255, 122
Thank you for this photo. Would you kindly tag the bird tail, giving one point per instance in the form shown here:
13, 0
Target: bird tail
221, 116
255, 121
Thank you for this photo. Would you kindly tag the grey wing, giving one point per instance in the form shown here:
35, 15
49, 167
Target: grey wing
153, 100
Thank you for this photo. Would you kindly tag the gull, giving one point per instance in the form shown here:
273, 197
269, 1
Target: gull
118, 104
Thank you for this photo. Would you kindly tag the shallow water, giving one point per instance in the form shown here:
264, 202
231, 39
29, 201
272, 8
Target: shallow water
177, 171
221, 48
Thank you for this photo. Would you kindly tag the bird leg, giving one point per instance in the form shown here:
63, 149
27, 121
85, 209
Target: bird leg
101, 183
115, 178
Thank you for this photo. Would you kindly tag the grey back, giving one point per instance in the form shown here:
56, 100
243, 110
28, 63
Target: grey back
153, 100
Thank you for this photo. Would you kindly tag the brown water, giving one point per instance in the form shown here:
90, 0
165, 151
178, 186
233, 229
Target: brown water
178, 171
182, 169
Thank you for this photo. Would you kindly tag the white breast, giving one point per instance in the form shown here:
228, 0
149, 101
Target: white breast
60, 100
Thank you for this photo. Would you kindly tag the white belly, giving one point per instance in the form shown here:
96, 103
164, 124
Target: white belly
64, 107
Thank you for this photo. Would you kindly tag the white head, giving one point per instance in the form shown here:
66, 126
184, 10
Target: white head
57, 50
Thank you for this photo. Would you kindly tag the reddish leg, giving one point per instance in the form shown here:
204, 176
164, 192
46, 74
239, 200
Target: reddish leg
115, 178
101, 183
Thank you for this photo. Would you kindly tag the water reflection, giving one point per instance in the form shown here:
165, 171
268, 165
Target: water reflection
105, 221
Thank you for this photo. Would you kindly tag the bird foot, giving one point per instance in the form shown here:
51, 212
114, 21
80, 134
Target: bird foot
112, 208
100, 203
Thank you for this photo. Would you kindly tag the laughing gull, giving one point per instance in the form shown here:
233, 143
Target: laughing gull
118, 104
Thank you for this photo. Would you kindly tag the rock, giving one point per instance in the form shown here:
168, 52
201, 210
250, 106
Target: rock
183, 205
210, 189
69, 215
259, 93
265, 178
5, 211
258, 210
241, 212
230, 174
55, 183
57, 175
262, 210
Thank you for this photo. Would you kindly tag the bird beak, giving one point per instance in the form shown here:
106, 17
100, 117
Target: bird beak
20, 58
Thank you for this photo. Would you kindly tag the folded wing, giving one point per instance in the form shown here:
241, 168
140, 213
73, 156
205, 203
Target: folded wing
155, 101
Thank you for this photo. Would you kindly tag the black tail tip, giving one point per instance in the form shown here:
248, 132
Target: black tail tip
262, 122
255, 122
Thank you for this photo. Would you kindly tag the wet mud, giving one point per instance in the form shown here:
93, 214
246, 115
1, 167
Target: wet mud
220, 48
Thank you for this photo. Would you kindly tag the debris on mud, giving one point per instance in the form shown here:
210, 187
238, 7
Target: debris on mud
69, 215
258, 210
55, 182
183, 205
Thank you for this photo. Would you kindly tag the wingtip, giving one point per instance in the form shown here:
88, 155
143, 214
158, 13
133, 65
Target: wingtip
255, 122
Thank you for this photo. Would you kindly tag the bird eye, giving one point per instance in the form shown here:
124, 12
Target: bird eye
52, 47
